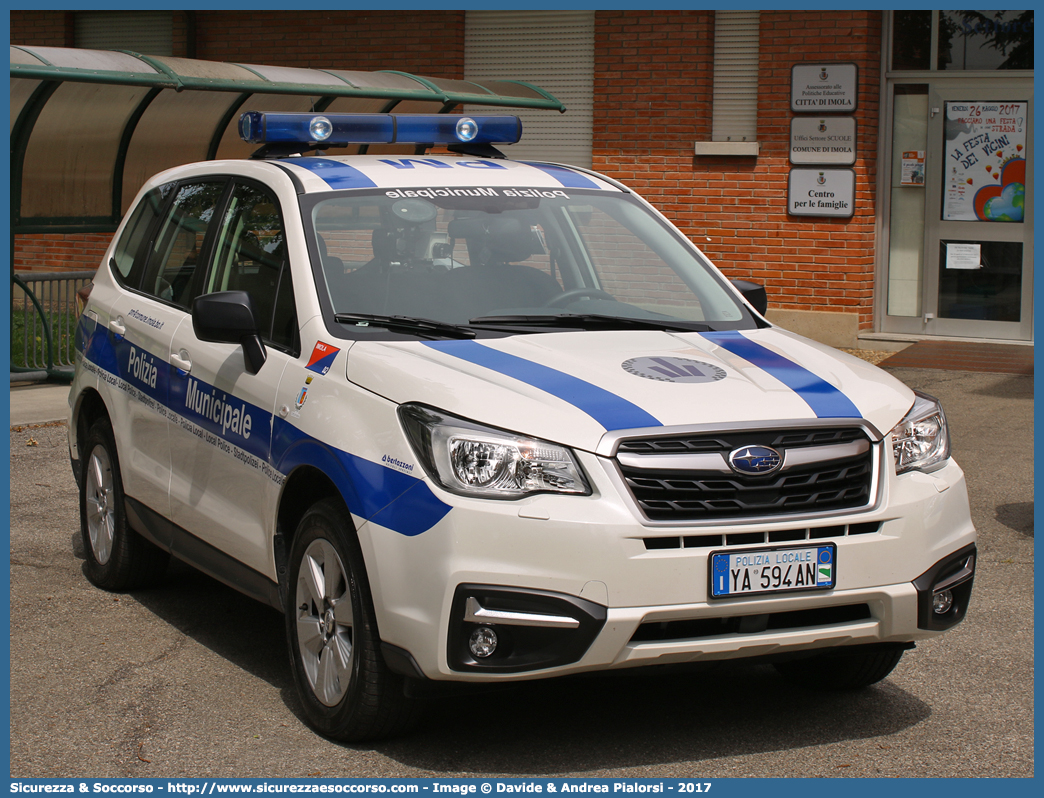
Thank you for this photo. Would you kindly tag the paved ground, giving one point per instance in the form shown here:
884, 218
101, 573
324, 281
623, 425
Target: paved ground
965, 356
39, 403
192, 679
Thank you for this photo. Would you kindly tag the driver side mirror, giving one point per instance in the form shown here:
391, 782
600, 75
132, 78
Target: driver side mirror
754, 294
229, 317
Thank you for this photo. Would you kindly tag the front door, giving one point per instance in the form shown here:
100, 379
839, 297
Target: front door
222, 487
961, 210
979, 230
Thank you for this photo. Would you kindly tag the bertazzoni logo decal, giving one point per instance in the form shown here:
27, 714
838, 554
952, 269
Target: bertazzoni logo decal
673, 369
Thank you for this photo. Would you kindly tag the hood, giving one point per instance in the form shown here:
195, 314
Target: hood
574, 387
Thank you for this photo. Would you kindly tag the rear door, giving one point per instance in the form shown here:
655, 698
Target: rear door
154, 265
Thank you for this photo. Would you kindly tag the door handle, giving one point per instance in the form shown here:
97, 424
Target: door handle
117, 326
181, 360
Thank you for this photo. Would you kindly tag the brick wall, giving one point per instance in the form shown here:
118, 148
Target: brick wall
653, 77
41, 28
430, 44
48, 252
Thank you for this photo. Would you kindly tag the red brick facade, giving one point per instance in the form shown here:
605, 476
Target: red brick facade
653, 76
430, 44
42, 28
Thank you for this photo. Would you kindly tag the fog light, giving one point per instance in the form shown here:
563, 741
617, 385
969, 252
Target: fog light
942, 602
483, 642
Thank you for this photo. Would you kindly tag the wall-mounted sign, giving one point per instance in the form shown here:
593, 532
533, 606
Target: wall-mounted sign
823, 140
985, 162
823, 88
821, 192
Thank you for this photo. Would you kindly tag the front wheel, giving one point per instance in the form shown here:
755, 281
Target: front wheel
347, 691
118, 558
842, 670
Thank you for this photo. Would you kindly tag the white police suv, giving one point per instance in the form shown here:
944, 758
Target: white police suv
469, 419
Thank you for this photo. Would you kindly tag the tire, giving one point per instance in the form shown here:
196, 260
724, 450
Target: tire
346, 689
117, 557
842, 670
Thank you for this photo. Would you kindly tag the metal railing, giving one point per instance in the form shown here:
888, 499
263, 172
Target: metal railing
43, 323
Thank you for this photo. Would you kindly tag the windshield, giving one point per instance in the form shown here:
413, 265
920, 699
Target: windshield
472, 254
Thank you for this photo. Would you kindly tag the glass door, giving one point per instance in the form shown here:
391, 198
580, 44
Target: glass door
978, 229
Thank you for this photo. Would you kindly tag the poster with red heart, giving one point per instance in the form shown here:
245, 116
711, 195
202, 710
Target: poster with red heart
985, 170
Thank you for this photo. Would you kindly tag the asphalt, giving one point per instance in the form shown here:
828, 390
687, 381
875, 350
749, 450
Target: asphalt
190, 679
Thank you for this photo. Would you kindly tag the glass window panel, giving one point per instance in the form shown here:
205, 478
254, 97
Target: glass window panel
985, 40
128, 248
472, 252
176, 249
980, 280
906, 228
250, 256
912, 40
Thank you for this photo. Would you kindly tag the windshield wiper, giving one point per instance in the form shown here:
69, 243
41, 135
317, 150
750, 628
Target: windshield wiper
410, 324
589, 321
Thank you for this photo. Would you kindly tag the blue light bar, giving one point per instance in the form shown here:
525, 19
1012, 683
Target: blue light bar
335, 129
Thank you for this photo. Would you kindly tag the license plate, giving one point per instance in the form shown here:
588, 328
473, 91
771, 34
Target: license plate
752, 571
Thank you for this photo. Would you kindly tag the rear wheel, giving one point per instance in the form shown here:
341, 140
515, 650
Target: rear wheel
347, 690
118, 558
842, 670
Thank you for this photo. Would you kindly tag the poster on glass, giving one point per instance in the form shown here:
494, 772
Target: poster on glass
985, 162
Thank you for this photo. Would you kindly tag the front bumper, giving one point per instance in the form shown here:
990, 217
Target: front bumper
589, 558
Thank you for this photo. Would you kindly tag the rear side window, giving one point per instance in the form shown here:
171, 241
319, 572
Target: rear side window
176, 248
143, 217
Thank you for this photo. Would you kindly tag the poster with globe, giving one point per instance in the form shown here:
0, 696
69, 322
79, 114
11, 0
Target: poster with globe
985, 162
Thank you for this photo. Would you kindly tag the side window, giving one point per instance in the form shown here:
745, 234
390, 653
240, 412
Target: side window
128, 248
176, 248
250, 256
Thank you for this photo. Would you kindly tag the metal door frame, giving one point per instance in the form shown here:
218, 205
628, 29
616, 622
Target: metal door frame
936, 230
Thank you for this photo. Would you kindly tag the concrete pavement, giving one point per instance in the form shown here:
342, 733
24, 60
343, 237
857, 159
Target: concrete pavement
39, 403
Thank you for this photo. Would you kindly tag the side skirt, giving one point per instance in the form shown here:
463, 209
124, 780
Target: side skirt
185, 546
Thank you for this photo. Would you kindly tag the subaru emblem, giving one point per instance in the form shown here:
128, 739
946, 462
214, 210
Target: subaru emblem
755, 460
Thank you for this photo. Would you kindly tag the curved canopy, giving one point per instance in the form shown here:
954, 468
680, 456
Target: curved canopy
89, 127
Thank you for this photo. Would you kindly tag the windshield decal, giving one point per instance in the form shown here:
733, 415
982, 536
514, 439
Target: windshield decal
824, 399
611, 411
435, 193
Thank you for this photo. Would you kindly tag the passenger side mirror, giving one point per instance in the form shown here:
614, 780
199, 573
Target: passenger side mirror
754, 294
229, 317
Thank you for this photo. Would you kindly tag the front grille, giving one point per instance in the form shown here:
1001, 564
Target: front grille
757, 538
659, 631
821, 482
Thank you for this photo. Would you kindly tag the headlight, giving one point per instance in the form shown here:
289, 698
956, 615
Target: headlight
921, 441
473, 460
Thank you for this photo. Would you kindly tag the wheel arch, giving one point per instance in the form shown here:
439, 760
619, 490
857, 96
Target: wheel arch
88, 408
305, 485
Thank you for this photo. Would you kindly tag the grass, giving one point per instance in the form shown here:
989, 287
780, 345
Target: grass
29, 343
